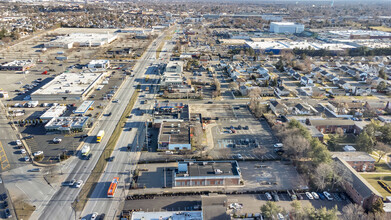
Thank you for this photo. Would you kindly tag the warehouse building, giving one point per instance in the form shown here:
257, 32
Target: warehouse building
69, 86
207, 173
17, 65
286, 27
81, 40
66, 124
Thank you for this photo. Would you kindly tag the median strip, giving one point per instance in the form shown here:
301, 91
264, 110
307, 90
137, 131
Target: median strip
99, 168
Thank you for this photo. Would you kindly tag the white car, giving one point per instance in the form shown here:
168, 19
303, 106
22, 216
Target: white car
309, 196
94, 215
79, 183
315, 195
18, 143
26, 158
328, 195
37, 153
57, 140
268, 196
23, 151
239, 156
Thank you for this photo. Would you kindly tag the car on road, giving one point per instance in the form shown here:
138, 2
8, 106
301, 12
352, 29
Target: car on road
315, 195
94, 216
309, 196
57, 140
18, 143
35, 170
37, 153
23, 151
268, 196
116, 101
79, 183
69, 183
26, 158
7, 213
328, 195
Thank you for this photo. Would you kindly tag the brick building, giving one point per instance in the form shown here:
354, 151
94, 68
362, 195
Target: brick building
207, 173
360, 161
330, 126
359, 190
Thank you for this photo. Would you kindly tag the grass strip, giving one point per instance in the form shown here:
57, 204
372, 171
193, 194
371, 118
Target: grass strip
93, 179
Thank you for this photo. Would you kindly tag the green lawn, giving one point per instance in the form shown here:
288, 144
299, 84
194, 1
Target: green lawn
382, 167
373, 178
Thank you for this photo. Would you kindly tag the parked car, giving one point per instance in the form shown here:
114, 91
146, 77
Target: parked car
268, 196
5, 204
245, 127
276, 197
321, 196
3, 196
26, 158
57, 140
18, 143
239, 156
35, 170
94, 215
309, 196
328, 195
315, 195
7, 213
22, 151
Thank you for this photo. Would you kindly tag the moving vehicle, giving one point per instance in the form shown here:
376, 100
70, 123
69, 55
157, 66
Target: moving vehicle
37, 153
113, 187
100, 135
85, 150
79, 183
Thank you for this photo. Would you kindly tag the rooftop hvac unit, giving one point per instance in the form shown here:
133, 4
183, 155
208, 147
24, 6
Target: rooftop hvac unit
186, 175
205, 163
172, 125
218, 171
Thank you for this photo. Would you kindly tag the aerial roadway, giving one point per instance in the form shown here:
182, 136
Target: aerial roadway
59, 207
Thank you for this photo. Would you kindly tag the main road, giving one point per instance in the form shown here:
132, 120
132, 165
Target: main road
133, 136
59, 206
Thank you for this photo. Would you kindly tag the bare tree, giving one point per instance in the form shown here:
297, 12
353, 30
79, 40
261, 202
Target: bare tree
296, 146
339, 132
353, 212
382, 150
234, 85
322, 175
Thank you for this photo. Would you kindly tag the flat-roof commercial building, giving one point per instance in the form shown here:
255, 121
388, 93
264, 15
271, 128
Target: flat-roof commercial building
67, 124
17, 65
207, 173
98, 64
174, 136
52, 112
173, 74
286, 27
69, 86
81, 40
84, 107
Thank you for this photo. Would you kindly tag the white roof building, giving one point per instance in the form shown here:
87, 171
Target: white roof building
69, 86
179, 215
54, 111
286, 27
81, 40
98, 64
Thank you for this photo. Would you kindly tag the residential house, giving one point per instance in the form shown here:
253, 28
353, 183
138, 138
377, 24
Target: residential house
337, 92
303, 109
360, 89
306, 81
278, 108
282, 91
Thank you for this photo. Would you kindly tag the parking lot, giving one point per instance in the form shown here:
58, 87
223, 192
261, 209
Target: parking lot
251, 203
241, 134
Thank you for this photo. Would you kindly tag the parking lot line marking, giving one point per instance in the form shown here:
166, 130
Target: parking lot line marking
4, 162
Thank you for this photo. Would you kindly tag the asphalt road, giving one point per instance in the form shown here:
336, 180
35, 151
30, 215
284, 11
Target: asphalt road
59, 206
125, 161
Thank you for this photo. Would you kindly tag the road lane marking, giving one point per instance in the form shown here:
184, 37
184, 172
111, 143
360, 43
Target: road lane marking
3, 158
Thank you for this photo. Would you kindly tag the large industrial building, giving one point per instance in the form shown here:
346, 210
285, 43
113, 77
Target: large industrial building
17, 65
69, 86
81, 40
207, 173
286, 27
